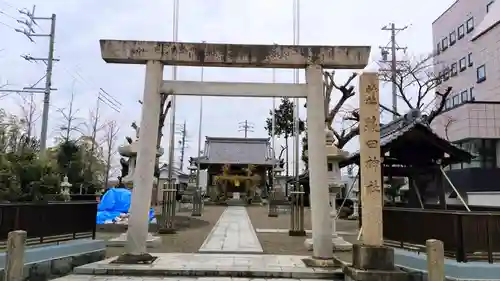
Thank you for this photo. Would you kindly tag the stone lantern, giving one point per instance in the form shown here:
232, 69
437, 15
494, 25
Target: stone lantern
192, 177
65, 192
279, 180
195, 191
334, 156
130, 151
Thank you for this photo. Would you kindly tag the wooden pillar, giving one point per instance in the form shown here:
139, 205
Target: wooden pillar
440, 183
370, 159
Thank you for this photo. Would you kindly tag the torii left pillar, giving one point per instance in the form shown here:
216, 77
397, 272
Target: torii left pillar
143, 182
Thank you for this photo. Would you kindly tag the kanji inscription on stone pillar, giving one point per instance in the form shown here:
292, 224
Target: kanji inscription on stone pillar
370, 159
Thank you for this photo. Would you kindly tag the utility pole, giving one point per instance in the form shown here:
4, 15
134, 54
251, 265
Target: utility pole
49, 60
246, 127
182, 144
394, 62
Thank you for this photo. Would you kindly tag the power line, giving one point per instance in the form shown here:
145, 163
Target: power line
246, 127
385, 51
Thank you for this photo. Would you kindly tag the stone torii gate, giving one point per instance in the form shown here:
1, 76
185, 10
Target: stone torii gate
155, 54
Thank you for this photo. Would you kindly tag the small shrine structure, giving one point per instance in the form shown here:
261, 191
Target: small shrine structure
411, 149
237, 168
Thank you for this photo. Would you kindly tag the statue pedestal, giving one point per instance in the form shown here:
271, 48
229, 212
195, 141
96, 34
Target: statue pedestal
334, 156
120, 241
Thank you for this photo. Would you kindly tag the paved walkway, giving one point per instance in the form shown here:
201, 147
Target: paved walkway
233, 233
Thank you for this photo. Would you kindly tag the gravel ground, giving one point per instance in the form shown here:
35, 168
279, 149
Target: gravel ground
190, 235
281, 243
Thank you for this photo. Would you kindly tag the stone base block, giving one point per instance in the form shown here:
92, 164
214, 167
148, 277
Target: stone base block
299, 233
145, 258
374, 263
339, 244
367, 257
166, 230
120, 241
321, 263
352, 274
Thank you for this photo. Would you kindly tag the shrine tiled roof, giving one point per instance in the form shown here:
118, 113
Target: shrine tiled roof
396, 129
219, 150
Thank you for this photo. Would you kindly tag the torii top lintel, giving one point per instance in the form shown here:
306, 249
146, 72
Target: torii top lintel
234, 55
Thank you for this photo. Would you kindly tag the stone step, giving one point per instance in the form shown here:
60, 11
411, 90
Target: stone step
178, 278
216, 265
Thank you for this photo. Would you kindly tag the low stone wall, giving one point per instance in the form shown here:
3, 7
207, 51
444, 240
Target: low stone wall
45, 262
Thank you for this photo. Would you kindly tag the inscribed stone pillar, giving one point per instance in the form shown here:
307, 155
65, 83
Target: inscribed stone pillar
370, 159
143, 175
319, 198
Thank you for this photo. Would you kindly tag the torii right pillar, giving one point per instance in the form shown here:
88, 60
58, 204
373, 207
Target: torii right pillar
371, 260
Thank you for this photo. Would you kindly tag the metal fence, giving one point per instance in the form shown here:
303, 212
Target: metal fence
466, 235
49, 222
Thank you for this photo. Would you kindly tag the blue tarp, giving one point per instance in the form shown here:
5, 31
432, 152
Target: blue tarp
115, 202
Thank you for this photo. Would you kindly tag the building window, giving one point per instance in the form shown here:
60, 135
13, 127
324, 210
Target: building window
462, 64
464, 95
488, 7
461, 31
471, 94
469, 58
448, 103
454, 70
481, 73
446, 73
444, 43
470, 24
453, 38
456, 100
439, 78
484, 150
438, 51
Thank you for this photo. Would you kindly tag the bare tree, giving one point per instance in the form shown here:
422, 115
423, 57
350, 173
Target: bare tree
415, 80
345, 134
70, 122
93, 127
110, 141
30, 114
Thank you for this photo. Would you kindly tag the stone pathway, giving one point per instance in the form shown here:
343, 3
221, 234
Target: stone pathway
233, 233
220, 265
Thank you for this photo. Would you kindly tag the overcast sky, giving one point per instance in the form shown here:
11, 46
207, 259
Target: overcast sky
81, 23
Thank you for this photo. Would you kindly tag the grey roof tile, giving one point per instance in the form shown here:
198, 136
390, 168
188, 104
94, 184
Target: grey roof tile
237, 151
397, 128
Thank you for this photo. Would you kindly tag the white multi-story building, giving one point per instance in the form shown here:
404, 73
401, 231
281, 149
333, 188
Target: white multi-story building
467, 47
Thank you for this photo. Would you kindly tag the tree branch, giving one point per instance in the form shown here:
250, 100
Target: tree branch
347, 92
435, 112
